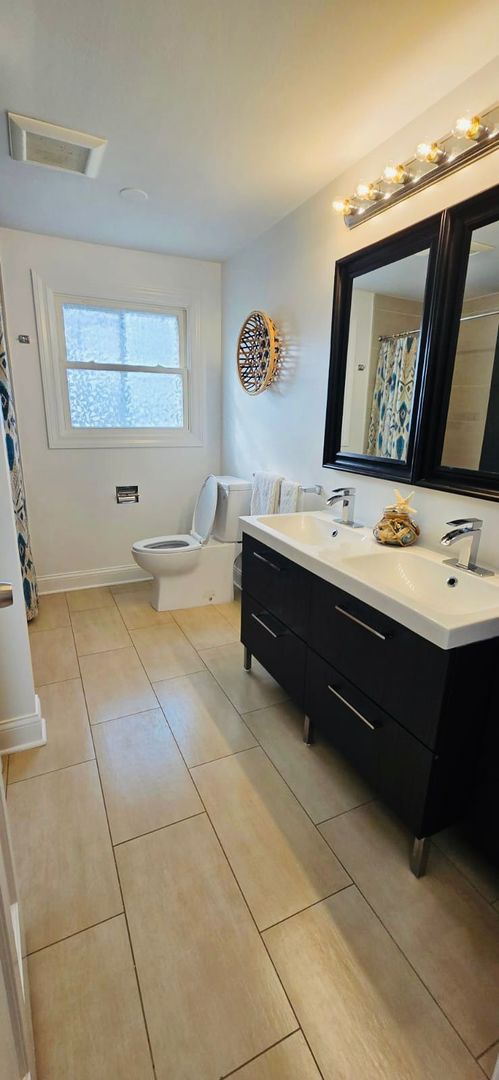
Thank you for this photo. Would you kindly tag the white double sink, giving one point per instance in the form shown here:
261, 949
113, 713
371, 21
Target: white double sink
443, 604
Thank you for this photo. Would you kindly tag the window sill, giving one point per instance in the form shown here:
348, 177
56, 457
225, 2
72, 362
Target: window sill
100, 439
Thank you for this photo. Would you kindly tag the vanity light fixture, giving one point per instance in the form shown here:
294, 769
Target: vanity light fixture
395, 174
469, 127
368, 192
472, 136
343, 206
430, 152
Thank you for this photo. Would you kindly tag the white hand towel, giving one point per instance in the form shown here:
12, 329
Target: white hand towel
289, 497
265, 493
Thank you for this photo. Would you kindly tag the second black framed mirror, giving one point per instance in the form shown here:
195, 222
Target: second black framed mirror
416, 323
460, 439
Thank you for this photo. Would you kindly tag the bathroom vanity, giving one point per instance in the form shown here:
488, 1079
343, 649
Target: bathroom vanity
387, 651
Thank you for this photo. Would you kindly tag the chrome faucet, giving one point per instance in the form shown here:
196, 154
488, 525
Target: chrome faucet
470, 531
347, 496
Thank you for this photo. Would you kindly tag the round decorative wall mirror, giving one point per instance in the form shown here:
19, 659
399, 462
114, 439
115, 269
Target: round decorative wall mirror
258, 352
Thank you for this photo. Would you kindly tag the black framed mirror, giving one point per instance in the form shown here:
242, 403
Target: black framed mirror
460, 440
382, 312
416, 323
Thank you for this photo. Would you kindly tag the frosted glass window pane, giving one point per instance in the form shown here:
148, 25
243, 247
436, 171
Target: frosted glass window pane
124, 399
92, 335
112, 336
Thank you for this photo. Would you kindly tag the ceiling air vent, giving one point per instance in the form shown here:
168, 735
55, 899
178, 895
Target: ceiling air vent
53, 146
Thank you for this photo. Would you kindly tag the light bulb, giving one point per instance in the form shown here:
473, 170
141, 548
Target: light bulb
367, 191
395, 174
468, 127
430, 152
343, 206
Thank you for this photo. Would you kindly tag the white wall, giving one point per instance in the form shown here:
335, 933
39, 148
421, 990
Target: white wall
76, 525
289, 273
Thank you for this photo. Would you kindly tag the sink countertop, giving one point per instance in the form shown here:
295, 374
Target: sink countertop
406, 584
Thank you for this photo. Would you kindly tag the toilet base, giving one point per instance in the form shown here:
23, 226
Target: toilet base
210, 581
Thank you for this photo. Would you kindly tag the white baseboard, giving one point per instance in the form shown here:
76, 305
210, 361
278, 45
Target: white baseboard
23, 732
90, 579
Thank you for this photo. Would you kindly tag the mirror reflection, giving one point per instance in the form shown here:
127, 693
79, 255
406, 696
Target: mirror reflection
472, 429
382, 358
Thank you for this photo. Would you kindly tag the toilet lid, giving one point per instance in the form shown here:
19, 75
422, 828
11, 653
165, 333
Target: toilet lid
204, 511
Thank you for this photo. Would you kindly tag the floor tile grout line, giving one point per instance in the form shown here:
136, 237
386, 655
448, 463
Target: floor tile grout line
341, 813
74, 933
403, 954
50, 772
132, 954
159, 828
491, 1047
125, 716
223, 757
322, 899
233, 1072
232, 872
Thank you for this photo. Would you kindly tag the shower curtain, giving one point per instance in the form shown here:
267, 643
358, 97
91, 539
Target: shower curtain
391, 408
17, 482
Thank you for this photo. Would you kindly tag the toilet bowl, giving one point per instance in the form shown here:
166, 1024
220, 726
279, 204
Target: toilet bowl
191, 569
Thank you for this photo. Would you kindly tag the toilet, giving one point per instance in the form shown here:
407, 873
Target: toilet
191, 569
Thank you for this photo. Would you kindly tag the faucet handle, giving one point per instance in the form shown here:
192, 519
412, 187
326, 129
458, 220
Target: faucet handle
343, 491
476, 523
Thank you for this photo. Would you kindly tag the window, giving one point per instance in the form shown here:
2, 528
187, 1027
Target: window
123, 367
115, 373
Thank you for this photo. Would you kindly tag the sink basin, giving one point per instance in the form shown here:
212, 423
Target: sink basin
312, 529
301, 527
425, 583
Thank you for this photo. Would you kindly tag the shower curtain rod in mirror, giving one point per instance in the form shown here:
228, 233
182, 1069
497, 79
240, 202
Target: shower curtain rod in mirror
464, 318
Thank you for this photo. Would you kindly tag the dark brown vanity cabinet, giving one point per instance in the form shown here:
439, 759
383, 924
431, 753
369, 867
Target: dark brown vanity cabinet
406, 713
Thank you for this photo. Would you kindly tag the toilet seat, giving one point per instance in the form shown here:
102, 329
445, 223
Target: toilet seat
202, 525
161, 545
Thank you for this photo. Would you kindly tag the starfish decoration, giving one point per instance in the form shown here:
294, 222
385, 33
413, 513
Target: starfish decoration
402, 505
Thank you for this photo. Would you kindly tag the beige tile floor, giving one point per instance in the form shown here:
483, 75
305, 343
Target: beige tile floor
206, 897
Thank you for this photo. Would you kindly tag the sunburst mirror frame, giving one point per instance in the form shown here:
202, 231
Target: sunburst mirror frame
258, 352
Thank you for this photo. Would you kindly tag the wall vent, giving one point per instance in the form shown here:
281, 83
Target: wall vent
55, 147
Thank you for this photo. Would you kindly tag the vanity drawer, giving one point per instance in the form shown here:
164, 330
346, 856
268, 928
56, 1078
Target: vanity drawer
397, 765
398, 669
280, 651
280, 585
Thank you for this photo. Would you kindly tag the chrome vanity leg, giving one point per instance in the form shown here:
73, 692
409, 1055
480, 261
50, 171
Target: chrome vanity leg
419, 855
247, 658
308, 731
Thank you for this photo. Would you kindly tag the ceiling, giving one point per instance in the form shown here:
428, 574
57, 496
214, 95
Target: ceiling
229, 113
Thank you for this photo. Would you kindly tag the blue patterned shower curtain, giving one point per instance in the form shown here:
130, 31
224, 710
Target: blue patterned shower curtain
391, 409
17, 482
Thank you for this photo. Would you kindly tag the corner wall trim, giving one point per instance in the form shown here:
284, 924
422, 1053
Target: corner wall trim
23, 732
89, 579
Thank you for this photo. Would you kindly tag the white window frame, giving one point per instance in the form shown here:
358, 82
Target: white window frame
52, 345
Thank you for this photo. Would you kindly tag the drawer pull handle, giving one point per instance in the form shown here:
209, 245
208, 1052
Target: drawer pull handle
267, 562
352, 709
264, 625
365, 626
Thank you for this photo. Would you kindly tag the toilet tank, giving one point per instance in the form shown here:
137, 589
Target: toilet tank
234, 497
